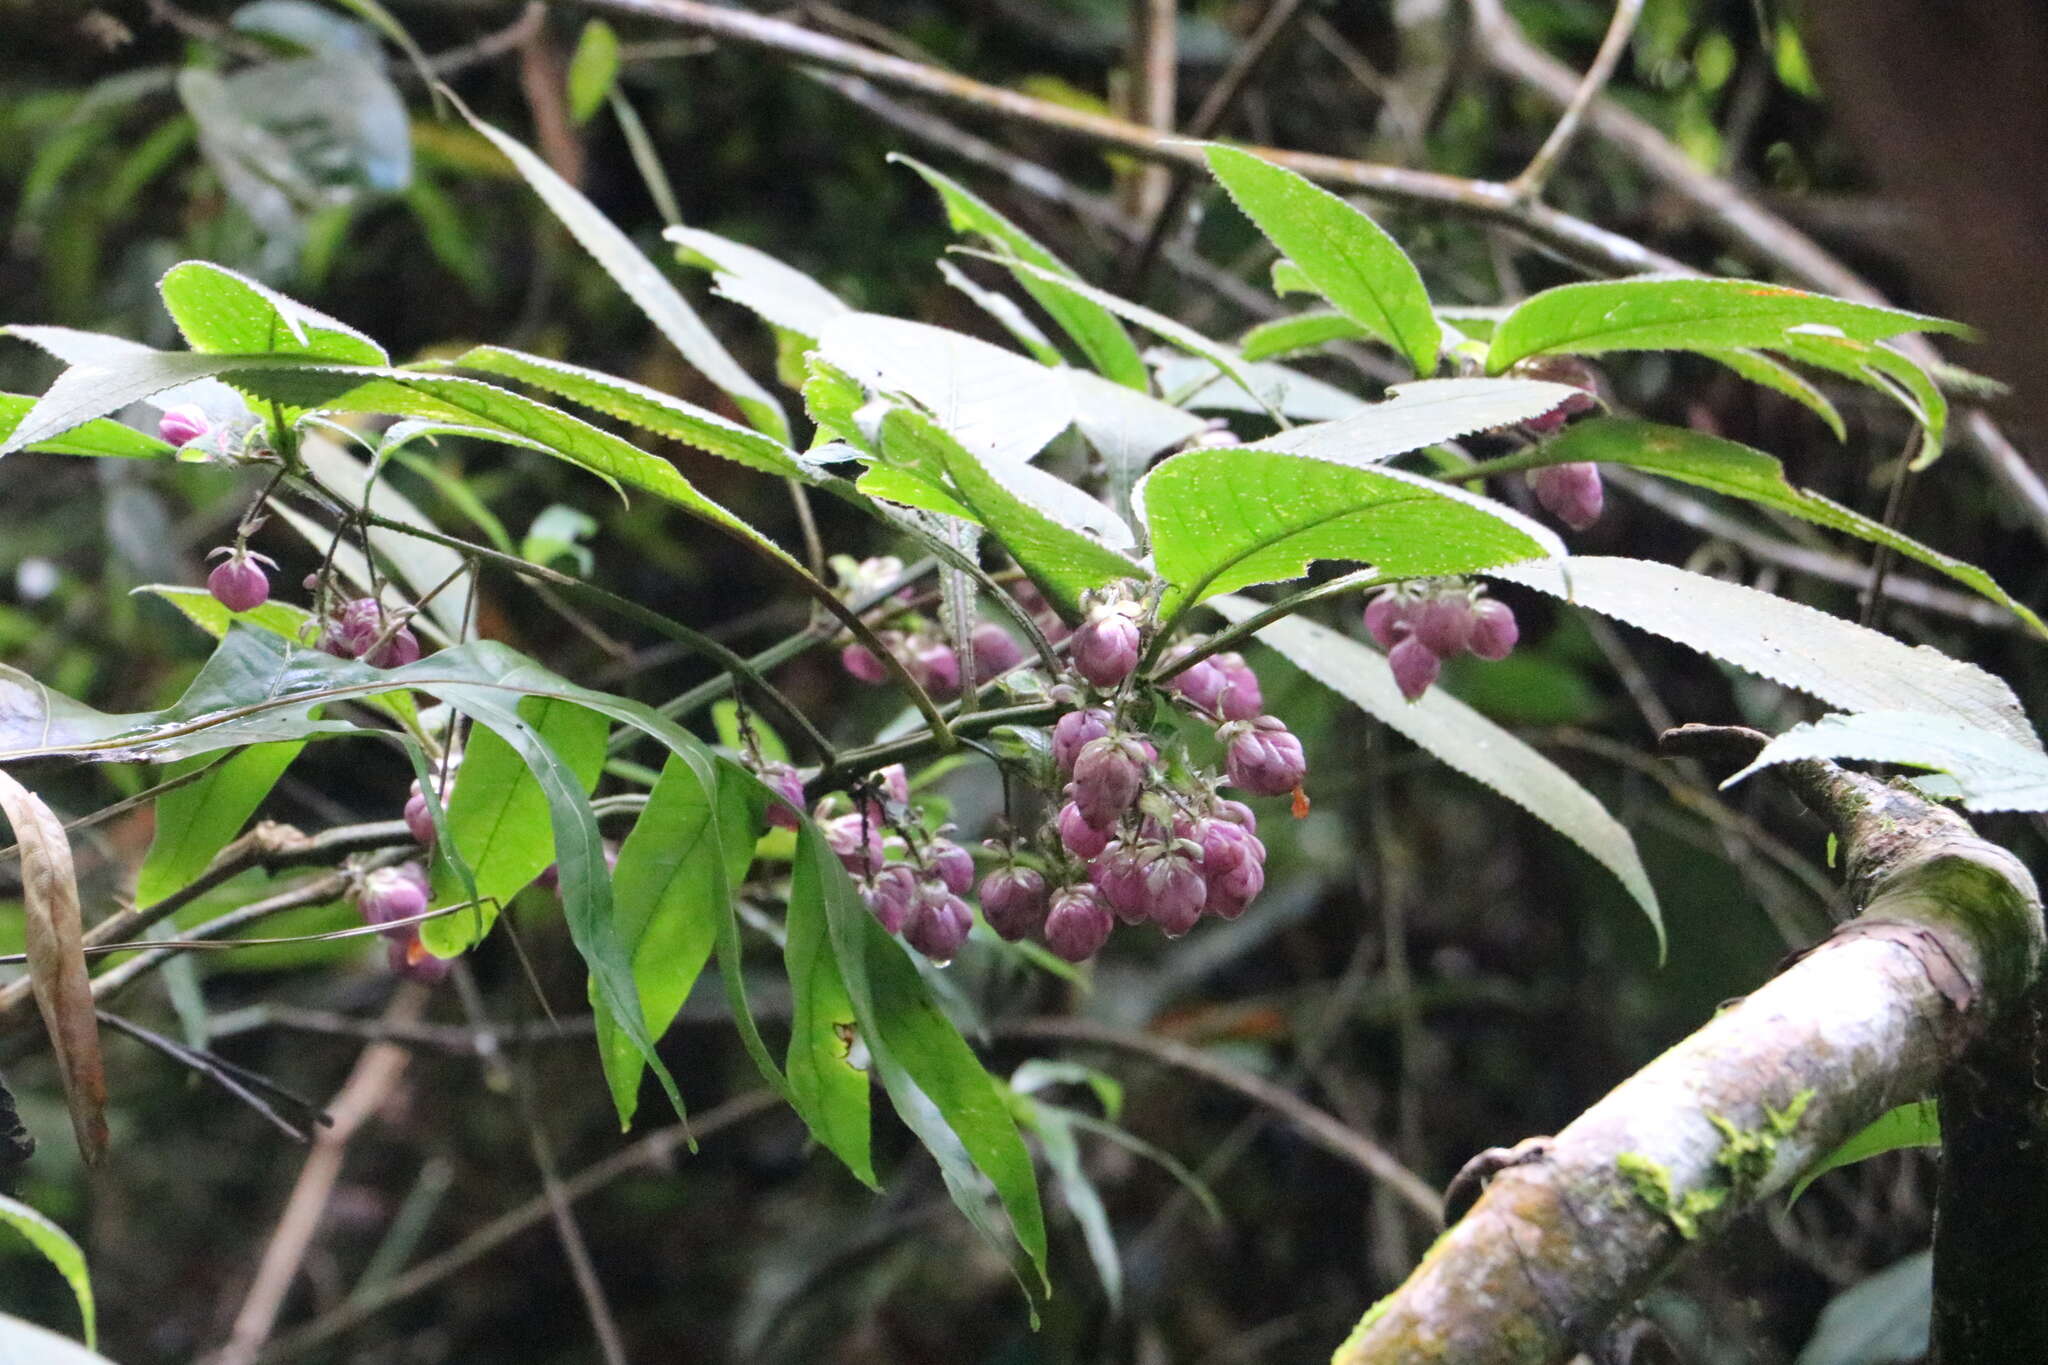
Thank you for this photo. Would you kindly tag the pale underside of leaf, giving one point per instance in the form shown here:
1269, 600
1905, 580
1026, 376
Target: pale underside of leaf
1994, 773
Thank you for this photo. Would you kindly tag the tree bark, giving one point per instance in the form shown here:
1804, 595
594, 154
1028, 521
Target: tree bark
1571, 1231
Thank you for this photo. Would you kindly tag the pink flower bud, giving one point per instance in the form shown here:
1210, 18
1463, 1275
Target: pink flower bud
1494, 631
1262, 756
1570, 492
183, 424
935, 666
1562, 369
1118, 876
1073, 730
1389, 616
939, 923
401, 649
857, 839
1107, 775
1232, 891
1174, 892
1201, 683
392, 893
419, 819
890, 894
1444, 623
996, 651
1080, 838
410, 958
1225, 846
1078, 924
1241, 698
1238, 813
1106, 646
785, 782
238, 583
355, 628
954, 864
1415, 667
861, 662
1013, 901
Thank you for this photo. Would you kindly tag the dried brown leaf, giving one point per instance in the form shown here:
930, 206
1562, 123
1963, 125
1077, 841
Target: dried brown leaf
53, 940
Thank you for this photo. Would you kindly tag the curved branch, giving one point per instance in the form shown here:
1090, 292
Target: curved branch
1573, 1229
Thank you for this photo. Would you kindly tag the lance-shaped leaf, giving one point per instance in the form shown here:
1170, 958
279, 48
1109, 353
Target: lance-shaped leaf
824, 1025
779, 294
1222, 519
1758, 368
1093, 328
1842, 663
1741, 472
196, 821
1881, 367
1993, 772
1462, 738
1301, 332
1685, 314
224, 313
1910, 1125
53, 940
60, 1251
642, 282
75, 347
1421, 414
1348, 257
100, 437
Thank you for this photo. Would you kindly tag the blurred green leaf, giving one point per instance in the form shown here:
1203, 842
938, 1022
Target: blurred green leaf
1910, 1125
593, 69
61, 1252
196, 821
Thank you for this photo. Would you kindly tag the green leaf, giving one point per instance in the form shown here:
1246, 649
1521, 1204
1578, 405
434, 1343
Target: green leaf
1061, 557
1758, 368
1191, 382
1301, 332
1880, 367
1010, 317
1055, 1130
781, 295
1188, 339
829, 1089
61, 1252
1910, 1125
593, 68
995, 402
198, 606
1126, 428
1417, 414
646, 408
499, 813
1463, 739
99, 437
1884, 1319
1993, 772
670, 891
1741, 472
90, 390
1842, 663
222, 313
1684, 314
196, 821
1093, 327
1349, 259
644, 284
1222, 519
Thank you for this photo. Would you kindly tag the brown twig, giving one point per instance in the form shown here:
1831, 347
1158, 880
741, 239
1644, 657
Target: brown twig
1531, 181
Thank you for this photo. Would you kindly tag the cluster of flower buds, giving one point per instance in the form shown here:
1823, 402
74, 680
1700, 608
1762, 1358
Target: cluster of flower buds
916, 641
238, 582
1422, 624
399, 893
363, 628
913, 880
1570, 492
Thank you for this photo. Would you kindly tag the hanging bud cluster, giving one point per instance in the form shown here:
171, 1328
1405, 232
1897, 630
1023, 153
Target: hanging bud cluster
1570, 492
399, 893
916, 640
913, 878
1422, 624
363, 628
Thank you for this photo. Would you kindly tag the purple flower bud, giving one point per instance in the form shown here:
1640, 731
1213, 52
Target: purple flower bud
890, 894
1081, 839
1389, 616
238, 583
1232, 891
1562, 369
939, 923
1494, 631
419, 819
1078, 924
935, 666
391, 893
862, 663
1201, 683
1075, 729
895, 784
857, 839
401, 649
1570, 492
783, 780
1225, 846
356, 626
1241, 698
183, 424
410, 958
1013, 901
1238, 813
1415, 667
1262, 756
1118, 876
1444, 623
1106, 646
1107, 775
996, 651
1174, 892
954, 864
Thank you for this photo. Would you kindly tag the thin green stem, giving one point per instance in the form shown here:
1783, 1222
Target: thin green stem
1286, 606
911, 748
